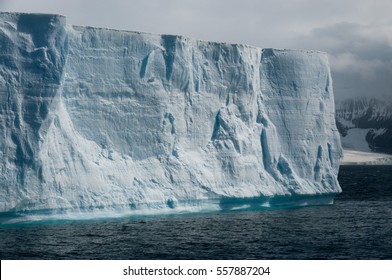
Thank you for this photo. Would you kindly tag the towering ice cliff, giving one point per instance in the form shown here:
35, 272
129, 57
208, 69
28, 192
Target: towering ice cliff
97, 118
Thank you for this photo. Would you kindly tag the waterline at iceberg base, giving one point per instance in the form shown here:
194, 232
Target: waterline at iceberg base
94, 118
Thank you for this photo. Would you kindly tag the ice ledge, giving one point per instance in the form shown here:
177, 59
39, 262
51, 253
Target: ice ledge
32, 16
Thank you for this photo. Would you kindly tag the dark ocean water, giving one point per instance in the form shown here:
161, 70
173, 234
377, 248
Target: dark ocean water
357, 226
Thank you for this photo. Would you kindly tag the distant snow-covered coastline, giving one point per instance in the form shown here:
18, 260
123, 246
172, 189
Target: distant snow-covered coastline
351, 157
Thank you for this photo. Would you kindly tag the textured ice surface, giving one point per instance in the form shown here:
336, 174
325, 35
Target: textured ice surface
96, 118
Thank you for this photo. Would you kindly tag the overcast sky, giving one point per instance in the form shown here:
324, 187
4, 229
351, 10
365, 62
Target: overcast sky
357, 34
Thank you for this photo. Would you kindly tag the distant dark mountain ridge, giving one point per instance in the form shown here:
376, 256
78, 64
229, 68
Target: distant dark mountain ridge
367, 113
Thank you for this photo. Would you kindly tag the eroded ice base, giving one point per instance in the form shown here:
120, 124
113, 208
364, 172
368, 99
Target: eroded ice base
156, 210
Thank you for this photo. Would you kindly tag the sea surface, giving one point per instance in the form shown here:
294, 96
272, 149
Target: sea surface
357, 226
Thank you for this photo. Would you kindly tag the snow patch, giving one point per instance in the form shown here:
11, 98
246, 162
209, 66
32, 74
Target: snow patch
356, 140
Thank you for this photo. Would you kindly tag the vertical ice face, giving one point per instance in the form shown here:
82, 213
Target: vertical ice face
298, 98
33, 50
98, 118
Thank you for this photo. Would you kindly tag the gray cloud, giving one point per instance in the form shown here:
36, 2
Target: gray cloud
360, 57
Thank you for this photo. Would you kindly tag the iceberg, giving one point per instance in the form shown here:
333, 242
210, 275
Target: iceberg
93, 118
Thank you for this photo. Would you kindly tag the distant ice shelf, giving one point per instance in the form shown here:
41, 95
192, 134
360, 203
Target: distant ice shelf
352, 157
93, 118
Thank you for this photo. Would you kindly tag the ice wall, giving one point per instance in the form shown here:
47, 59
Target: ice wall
97, 118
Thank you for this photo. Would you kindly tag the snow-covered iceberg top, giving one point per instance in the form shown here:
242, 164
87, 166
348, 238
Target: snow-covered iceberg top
97, 118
